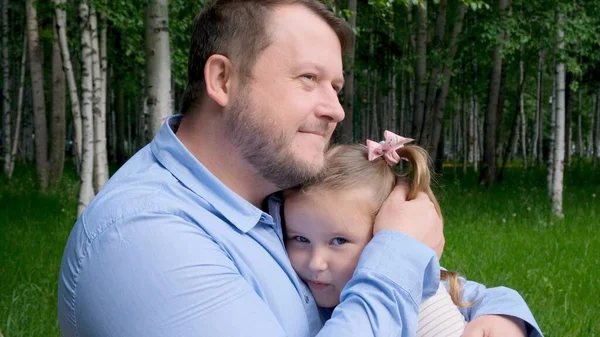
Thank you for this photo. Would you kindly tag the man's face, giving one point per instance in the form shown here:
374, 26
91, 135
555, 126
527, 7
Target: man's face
282, 120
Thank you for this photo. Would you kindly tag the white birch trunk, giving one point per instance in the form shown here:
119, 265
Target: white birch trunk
86, 191
420, 74
523, 117
559, 149
6, 88
401, 120
590, 136
104, 96
158, 64
471, 138
143, 119
538, 110
39, 103
551, 151
514, 142
15, 140
476, 133
465, 134
61, 27
580, 148
393, 108
477, 144
597, 130
58, 127
99, 108
347, 125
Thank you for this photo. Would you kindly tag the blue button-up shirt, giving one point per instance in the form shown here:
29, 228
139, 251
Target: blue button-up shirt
166, 249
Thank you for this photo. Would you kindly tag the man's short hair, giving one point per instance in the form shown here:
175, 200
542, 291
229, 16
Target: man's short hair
237, 29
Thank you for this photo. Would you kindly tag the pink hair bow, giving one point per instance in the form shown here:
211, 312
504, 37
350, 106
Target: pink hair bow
387, 148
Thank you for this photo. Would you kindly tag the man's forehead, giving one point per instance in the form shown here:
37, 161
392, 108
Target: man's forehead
298, 24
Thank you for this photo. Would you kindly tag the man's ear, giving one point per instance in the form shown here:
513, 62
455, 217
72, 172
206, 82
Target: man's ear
218, 76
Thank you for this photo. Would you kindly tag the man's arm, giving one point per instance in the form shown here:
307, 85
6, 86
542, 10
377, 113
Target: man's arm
395, 273
497, 301
158, 275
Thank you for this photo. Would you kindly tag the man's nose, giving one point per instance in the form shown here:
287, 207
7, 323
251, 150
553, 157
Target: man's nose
330, 107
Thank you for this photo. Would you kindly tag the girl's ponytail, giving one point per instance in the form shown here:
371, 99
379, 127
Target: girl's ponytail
419, 179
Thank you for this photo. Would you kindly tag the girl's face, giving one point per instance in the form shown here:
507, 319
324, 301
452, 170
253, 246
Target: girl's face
326, 233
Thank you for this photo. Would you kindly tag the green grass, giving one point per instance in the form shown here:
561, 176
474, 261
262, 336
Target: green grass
503, 236
33, 230
506, 236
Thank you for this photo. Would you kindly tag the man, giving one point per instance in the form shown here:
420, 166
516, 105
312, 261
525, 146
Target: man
177, 243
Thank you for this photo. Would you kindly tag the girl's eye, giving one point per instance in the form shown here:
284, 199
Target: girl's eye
339, 241
299, 238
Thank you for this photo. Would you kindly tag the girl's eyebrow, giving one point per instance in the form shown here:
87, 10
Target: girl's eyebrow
345, 233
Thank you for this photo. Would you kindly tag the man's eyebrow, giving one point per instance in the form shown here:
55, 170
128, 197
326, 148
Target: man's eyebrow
319, 68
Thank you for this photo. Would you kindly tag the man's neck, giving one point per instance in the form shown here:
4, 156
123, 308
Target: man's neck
205, 139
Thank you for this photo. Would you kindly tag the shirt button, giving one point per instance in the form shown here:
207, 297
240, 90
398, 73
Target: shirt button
306, 299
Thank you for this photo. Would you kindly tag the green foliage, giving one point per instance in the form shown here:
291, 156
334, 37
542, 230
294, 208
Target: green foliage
503, 236
181, 17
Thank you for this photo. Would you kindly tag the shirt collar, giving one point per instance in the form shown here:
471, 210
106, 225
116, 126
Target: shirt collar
176, 158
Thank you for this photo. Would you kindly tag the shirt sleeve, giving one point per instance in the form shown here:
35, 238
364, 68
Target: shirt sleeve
159, 275
497, 301
394, 275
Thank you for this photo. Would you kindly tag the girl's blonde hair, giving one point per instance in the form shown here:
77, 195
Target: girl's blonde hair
348, 168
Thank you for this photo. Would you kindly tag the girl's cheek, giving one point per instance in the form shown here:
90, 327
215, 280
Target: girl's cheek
296, 256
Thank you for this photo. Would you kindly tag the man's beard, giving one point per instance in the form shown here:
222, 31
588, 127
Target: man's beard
266, 146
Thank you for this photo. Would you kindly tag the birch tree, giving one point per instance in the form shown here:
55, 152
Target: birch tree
61, 26
158, 63
597, 130
580, 148
347, 131
552, 145
58, 122
441, 96
559, 149
523, 117
86, 190
488, 167
98, 106
538, 131
17, 132
421, 72
37, 84
6, 88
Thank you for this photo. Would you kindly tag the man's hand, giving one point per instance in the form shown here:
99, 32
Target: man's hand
417, 218
495, 326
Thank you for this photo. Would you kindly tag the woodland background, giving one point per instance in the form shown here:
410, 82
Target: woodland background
505, 96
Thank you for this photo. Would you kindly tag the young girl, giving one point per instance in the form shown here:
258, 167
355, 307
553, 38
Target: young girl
329, 222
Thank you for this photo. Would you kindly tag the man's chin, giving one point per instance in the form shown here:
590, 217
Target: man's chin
303, 172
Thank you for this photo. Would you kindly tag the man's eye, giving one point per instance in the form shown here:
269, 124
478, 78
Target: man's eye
300, 239
310, 77
339, 241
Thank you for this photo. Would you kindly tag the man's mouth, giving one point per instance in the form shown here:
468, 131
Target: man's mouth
317, 133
